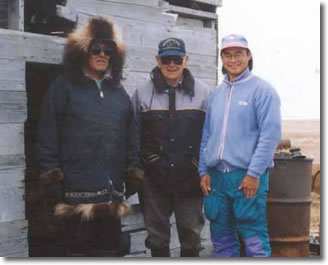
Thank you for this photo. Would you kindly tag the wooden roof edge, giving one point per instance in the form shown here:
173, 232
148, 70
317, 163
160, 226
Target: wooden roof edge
217, 3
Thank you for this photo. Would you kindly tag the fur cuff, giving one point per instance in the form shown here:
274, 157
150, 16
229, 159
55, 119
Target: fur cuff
135, 174
91, 211
51, 176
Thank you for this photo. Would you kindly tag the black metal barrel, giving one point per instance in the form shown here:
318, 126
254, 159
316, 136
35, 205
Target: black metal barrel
289, 206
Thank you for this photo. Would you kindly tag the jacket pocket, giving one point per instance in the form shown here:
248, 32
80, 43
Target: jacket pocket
249, 210
246, 209
212, 205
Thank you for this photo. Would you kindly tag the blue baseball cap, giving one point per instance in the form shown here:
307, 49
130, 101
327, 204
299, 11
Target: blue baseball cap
234, 40
171, 46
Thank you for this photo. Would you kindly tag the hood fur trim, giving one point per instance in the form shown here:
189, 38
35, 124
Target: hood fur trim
92, 211
78, 43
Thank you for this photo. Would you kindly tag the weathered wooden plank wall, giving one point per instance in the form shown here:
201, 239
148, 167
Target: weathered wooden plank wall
12, 73
13, 241
143, 23
211, 2
13, 227
30, 47
13, 112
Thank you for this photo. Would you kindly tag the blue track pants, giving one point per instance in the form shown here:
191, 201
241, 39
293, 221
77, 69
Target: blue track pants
237, 214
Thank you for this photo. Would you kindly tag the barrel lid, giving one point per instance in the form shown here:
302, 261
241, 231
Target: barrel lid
293, 159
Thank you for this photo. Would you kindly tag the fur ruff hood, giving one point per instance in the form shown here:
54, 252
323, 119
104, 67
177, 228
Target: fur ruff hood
92, 211
78, 43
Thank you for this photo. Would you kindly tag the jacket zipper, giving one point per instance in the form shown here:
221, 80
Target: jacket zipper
101, 93
225, 121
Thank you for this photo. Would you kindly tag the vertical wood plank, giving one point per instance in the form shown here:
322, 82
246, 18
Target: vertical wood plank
13, 239
13, 107
12, 203
12, 138
16, 15
12, 71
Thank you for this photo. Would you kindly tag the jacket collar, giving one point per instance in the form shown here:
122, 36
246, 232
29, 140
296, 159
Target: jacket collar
187, 84
85, 79
244, 76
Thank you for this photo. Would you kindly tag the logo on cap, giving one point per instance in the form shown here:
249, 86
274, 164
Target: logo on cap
171, 46
171, 43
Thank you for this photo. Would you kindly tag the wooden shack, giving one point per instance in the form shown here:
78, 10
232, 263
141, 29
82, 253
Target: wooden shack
32, 37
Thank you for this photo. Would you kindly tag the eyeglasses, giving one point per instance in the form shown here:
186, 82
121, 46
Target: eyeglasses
178, 60
108, 50
96, 50
228, 56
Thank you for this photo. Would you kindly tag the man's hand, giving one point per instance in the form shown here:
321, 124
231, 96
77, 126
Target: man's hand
133, 181
205, 183
249, 185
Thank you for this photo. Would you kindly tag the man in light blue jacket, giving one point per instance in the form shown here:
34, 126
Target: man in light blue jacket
240, 134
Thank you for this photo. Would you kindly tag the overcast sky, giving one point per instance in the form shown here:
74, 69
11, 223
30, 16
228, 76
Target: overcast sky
284, 37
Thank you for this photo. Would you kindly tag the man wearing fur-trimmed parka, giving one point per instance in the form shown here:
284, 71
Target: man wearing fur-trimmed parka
170, 109
87, 138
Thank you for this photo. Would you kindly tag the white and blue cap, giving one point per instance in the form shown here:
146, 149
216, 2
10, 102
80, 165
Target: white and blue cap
234, 40
171, 46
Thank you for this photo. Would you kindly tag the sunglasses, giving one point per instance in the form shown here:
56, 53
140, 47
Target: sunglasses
178, 60
108, 49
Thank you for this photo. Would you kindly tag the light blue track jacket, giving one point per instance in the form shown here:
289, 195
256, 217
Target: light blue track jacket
242, 126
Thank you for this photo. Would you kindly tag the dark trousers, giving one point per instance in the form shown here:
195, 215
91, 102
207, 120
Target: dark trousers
92, 238
158, 207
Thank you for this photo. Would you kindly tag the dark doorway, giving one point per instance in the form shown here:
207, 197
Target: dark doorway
42, 232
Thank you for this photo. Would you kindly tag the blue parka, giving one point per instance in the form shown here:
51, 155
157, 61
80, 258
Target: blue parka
90, 134
242, 126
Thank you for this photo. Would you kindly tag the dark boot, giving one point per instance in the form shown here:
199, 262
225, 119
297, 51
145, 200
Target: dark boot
162, 252
189, 253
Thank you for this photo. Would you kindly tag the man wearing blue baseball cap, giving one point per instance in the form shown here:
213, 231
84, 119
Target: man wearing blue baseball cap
170, 109
241, 131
